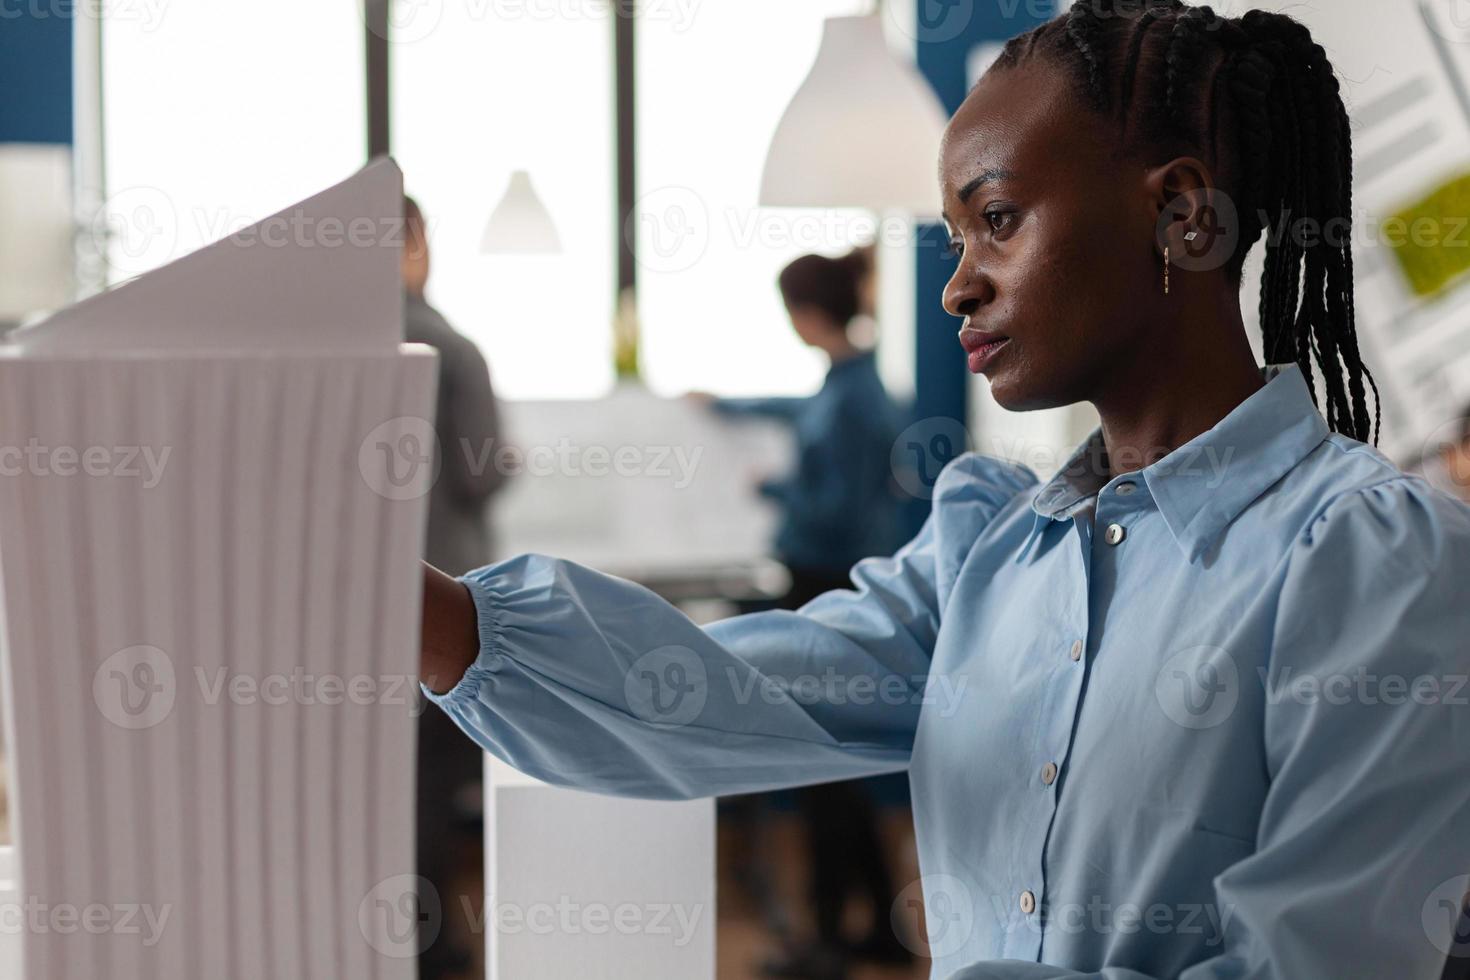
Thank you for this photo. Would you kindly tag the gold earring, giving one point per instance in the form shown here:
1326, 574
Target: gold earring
1166, 270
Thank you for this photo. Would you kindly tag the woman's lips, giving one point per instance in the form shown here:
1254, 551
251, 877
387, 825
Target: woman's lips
983, 348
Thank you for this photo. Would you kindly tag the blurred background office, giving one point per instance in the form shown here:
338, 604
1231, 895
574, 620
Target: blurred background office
610, 191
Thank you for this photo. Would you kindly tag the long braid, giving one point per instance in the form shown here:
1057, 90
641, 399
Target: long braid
1267, 136
1256, 97
1350, 336
1320, 137
1279, 284
1309, 318
1329, 285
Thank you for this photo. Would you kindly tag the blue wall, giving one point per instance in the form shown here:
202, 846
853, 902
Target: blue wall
35, 74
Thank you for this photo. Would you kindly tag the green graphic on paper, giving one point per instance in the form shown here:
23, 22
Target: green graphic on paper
1431, 237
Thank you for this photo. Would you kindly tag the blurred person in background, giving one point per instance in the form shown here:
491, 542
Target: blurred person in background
837, 507
468, 429
468, 423
837, 504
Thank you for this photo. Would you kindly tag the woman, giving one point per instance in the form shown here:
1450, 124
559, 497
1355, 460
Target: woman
1145, 707
836, 506
836, 509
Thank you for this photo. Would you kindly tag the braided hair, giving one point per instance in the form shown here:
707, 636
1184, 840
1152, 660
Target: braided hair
1256, 97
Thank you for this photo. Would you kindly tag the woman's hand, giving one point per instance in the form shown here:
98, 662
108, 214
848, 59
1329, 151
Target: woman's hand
700, 399
451, 632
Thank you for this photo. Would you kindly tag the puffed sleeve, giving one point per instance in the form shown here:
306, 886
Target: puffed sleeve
1363, 848
591, 681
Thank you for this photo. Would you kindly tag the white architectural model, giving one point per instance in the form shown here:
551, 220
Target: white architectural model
211, 515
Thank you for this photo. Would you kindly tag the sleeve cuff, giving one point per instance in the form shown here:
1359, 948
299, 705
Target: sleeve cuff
489, 660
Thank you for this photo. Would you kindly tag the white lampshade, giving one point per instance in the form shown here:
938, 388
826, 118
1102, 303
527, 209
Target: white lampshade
520, 223
37, 255
863, 130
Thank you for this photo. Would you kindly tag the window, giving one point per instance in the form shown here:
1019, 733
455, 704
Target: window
218, 115
216, 118
482, 90
713, 80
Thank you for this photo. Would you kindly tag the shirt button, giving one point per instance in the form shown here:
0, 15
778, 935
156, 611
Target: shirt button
1126, 487
1049, 773
1115, 534
1028, 902
1077, 650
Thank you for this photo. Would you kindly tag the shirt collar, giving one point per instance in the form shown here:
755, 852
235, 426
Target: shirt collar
1202, 486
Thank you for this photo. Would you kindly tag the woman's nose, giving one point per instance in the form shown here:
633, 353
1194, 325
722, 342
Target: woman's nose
965, 292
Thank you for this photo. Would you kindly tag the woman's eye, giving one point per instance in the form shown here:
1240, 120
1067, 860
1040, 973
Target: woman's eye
998, 221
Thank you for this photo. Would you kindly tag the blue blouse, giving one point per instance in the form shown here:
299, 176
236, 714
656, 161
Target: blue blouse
836, 504
1204, 720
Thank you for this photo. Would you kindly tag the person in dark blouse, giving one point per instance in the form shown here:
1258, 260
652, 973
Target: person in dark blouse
837, 508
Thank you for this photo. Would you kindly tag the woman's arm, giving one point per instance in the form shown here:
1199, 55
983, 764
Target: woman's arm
450, 631
583, 679
784, 408
586, 680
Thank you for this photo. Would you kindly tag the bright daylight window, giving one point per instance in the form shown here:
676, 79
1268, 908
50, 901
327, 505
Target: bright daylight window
200, 142
481, 90
713, 80
219, 114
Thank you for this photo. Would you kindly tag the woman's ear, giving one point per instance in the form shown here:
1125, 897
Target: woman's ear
1194, 218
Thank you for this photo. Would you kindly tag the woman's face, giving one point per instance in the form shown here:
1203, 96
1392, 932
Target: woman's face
1056, 240
811, 324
